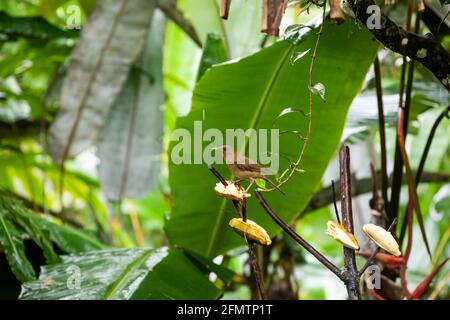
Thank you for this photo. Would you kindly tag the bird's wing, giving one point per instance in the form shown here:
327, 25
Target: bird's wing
267, 171
244, 160
256, 168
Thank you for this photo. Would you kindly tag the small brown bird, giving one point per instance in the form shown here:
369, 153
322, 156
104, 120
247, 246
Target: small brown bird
244, 168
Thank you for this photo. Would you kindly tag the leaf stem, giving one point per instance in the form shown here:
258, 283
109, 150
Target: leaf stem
295, 166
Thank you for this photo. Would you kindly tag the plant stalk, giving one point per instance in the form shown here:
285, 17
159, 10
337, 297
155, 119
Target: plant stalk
350, 268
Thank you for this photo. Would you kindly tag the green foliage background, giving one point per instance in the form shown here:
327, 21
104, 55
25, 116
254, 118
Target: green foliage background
139, 228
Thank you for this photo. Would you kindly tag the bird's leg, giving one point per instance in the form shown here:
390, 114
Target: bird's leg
250, 185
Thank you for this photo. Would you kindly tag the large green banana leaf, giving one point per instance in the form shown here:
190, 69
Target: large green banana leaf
129, 144
110, 43
136, 274
252, 93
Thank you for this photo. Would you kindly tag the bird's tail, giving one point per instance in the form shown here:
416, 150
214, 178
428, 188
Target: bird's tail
274, 185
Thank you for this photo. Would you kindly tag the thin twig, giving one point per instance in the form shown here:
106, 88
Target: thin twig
403, 267
363, 186
173, 13
294, 167
218, 175
398, 162
413, 197
137, 229
374, 181
423, 159
322, 259
382, 131
350, 268
336, 212
377, 203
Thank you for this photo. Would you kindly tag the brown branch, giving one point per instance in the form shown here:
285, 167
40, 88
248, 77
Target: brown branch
350, 268
398, 160
169, 8
241, 208
336, 212
423, 159
336, 13
363, 186
225, 8
295, 236
382, 131
413, 197
256, 270
273, 11
426, 50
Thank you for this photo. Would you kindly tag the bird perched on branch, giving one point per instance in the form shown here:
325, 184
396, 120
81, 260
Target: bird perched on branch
244, 168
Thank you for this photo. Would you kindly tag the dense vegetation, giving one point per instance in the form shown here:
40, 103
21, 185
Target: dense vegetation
95, 95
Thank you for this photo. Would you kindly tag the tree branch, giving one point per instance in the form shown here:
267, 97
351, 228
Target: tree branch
426, 50
241, 208
322, 259
362, 186
169, 8
350, 268
382, 132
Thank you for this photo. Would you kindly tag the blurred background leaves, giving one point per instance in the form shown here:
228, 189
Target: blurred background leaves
95, 223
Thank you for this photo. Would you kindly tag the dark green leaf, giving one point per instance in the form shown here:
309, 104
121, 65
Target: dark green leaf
214, 52
251, 93
122, 274
11, 239
68, 239
12, 28
225, 274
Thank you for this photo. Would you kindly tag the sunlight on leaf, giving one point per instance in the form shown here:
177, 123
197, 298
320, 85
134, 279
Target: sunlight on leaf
318, 89
297, 55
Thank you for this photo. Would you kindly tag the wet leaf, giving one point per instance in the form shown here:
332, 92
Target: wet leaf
318, 89
125, 274
97, 70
